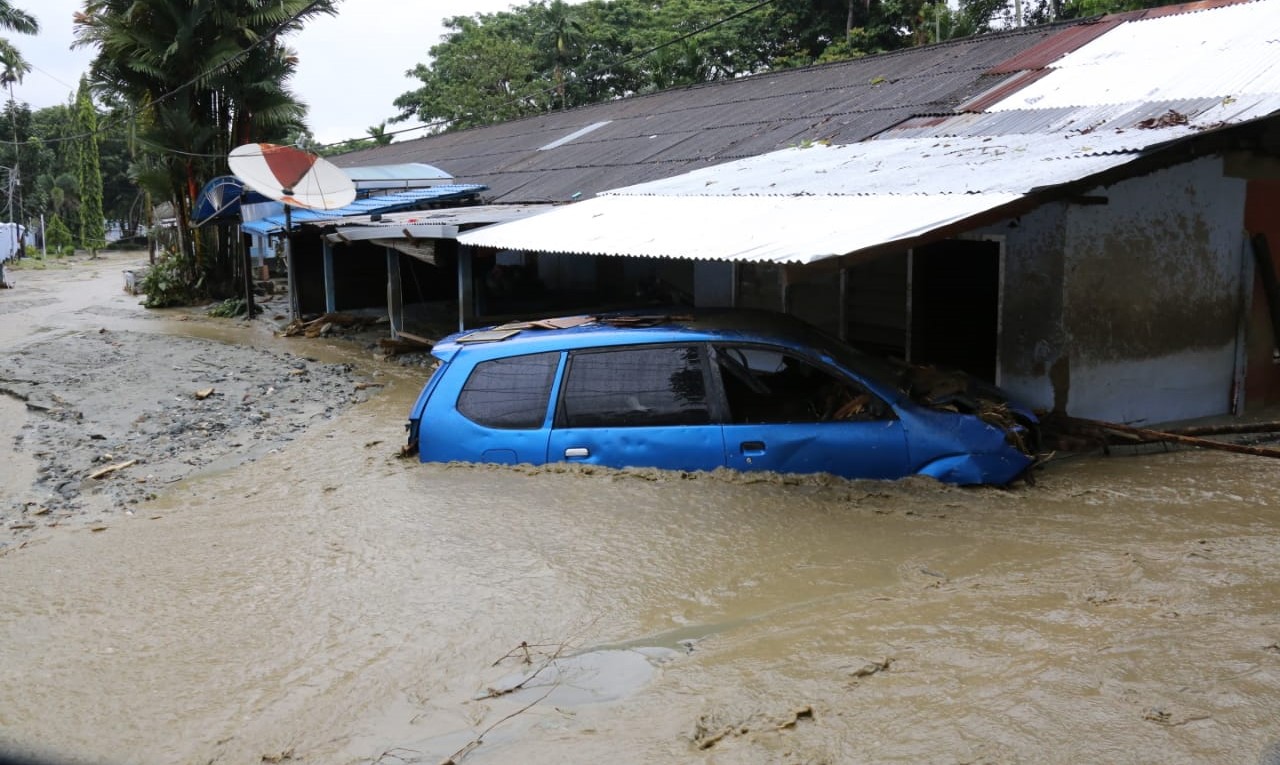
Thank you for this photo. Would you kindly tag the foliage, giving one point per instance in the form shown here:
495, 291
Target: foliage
168, 282
228, 309
198, 78
89, 172
56, 234
547, 55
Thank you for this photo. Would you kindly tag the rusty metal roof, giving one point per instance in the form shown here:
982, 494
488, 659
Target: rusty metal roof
1056, 46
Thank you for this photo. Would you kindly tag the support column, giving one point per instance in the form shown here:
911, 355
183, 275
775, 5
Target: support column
295, 301
395, 295
466, 295
330, 288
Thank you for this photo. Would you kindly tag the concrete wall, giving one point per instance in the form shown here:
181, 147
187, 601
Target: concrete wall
1129, 310
1034, 349
1152, 295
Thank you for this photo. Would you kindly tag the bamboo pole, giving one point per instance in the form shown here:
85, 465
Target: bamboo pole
1157, 436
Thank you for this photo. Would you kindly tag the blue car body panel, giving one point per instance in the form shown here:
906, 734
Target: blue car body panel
851, 449
908, 438
687, 447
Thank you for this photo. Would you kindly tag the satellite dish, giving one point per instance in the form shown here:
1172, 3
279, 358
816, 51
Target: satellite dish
292, 176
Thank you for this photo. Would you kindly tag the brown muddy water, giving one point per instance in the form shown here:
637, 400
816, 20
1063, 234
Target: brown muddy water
330, 603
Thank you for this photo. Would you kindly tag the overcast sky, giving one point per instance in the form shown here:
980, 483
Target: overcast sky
350, 68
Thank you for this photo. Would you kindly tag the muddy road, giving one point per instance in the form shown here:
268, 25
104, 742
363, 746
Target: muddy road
321, 601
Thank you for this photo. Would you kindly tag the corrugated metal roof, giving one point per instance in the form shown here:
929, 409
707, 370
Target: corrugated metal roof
1050, 50
967, 165
409, 171
1002, 90
666, 133
801, 205
769, 229
1201, 113
275, 222
1233, 51
444, 223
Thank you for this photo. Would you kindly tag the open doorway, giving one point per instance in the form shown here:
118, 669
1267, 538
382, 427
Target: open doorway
955, 305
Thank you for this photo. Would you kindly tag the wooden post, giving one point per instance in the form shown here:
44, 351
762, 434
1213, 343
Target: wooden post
330, 288
395, 296
246, 261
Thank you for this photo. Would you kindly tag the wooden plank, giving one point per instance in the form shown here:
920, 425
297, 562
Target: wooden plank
109, 469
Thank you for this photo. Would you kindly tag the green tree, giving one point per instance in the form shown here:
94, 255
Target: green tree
378, 133
561, 32
479, 74
57, 236
89, 172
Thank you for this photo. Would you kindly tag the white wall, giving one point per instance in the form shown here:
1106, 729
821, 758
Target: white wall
1152, 295
1127, 311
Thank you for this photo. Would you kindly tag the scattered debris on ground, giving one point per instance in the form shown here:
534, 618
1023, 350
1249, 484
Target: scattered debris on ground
1079, 434
190, 405
711, 729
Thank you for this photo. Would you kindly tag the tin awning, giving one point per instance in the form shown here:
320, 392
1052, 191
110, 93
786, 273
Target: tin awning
403, 200
794, 229
802, 205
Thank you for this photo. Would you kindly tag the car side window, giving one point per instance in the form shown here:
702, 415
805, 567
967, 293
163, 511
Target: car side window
764, 385
510, 393
633, 387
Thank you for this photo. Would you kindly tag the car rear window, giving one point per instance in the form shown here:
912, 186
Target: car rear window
636, 387
509, 393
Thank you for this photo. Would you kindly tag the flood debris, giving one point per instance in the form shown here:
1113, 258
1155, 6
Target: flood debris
872, 668
711, 729
109, 469
405, 343
1171, 118
326, 324
1084, 432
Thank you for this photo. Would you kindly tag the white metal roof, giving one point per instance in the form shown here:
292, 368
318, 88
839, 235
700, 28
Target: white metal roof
442, 223
782, 229
804, 205
932, 165
1228, 51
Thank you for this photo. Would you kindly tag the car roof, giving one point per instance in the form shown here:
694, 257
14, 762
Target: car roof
631, 328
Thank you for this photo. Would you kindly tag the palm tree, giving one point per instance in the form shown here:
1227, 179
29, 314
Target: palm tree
379, 134
17, 20
201, 76
562, 30
13, 67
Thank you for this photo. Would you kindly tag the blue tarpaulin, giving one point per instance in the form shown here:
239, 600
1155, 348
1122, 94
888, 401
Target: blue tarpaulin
386, 203
220, 200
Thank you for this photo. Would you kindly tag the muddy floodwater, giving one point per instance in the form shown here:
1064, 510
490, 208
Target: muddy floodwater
327, 602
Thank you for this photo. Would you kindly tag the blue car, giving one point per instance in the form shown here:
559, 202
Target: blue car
706, 390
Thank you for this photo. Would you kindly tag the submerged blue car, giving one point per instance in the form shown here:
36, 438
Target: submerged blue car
705, 390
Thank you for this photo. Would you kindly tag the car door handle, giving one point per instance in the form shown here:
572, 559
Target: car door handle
752, 447
577, 452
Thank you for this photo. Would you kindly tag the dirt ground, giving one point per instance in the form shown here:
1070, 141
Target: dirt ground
122, 411
259, 579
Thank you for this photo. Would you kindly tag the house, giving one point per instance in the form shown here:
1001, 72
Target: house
1077, 212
